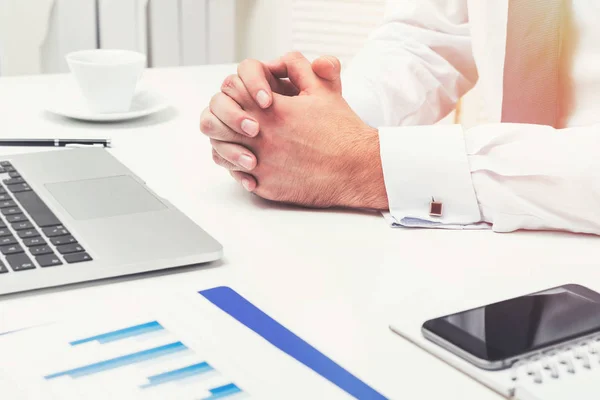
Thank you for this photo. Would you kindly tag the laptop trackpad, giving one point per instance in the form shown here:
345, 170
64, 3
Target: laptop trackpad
104, 197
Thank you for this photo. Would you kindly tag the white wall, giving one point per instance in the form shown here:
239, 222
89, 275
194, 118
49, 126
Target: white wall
35, 39
264, 31
28, 21
269, 28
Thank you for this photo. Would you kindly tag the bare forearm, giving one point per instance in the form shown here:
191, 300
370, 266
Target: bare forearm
365, 186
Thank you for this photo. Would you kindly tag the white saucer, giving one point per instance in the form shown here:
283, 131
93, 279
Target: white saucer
68, 101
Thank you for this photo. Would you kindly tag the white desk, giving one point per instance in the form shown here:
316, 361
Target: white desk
333, 277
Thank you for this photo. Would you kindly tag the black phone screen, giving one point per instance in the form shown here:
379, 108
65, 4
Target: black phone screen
510, 328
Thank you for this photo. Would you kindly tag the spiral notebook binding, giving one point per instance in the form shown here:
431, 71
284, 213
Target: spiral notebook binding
580, 356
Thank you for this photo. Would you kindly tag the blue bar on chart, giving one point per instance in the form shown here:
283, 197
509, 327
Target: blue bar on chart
122, 361
223, 392
163, 359
124, 333
178, 374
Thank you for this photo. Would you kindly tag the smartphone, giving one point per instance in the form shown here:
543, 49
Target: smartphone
498, 335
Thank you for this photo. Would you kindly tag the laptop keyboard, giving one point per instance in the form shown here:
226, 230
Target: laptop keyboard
30, 234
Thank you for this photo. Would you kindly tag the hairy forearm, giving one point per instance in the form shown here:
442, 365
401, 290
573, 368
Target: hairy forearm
365, 186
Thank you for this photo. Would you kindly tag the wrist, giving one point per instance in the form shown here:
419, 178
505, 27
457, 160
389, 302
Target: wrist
366, 185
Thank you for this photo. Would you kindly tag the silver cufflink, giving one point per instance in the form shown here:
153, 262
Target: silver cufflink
435, 208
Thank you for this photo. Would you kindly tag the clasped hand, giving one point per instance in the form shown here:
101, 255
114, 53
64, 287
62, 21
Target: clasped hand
286, 134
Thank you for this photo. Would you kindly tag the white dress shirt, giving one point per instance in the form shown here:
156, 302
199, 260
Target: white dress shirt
412, 72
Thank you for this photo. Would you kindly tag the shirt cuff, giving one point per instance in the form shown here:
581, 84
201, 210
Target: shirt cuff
425, 162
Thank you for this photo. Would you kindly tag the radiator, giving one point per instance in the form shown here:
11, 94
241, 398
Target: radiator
170, 32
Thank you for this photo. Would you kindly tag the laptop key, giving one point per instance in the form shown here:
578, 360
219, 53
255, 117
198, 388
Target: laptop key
60, 240
37, 209
77, 257
5, 232
70, 248
7, 203
2, 224
11, 211
3, 268
19, 226
8, 240
20, 262
40, 250
54, 231
22, 187
2, 190
4, 196
22, 225
35, 241
12, 249
16, 218
48, 260
28, 233
14, 174
13, 181
9, 169
5, 164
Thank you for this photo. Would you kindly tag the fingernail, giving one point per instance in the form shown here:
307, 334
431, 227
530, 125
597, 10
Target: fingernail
263, 99
246, 161
250, 127
246, 183
330, 59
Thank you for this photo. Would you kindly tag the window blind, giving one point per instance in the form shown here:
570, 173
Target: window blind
335, 27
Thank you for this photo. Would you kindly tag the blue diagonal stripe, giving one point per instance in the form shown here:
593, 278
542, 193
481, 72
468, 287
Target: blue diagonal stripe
121, 361
285, 340
178, 374
121, 333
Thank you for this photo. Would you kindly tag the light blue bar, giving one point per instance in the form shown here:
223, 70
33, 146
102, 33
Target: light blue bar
121, 333
121, 361
178, 374
223, 391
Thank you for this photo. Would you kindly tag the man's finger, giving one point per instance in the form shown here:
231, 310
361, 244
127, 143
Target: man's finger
277, 68
231, 114
285, 88
238, 156
300, 72
329, 68
221, 162
212, 127
234, 87
281, 84
257, 79
248, 181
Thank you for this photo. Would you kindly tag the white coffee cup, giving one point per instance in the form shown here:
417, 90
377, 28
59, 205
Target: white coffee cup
107, 78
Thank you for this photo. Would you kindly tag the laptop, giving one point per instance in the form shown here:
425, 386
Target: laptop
80, 215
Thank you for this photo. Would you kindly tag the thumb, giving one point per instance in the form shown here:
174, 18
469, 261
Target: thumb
329, 68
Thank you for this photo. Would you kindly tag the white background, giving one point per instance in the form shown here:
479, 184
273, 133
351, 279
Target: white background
263, 29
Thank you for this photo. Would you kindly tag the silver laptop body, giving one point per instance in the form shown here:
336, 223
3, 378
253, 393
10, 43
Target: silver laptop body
81, 215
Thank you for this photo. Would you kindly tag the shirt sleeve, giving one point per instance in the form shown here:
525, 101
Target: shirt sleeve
426, 163
512, 176
414, 68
